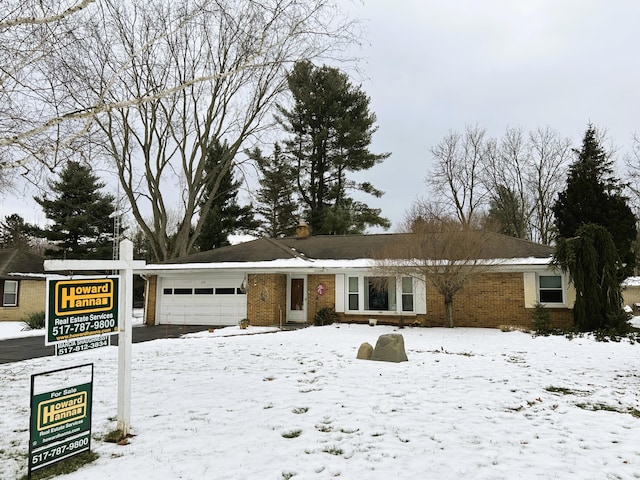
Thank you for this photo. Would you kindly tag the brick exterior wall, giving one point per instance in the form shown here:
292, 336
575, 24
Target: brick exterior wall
266, 299
315, 301
31, 299
491, 300
151, 297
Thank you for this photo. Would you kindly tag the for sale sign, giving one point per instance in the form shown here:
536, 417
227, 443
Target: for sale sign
81, 307
60, 417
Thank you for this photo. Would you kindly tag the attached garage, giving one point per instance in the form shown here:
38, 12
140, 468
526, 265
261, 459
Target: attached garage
216, 300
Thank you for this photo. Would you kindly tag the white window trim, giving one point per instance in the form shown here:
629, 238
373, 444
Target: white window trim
418, 296
563, 286
15, 292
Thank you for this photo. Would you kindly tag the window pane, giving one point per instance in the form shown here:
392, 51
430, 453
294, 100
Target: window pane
407, 285
353, 301
203, 291
551, 296
548, 281
353, 284
407, 303
10, 296
167, 291
183, 291
225, 291
378, 293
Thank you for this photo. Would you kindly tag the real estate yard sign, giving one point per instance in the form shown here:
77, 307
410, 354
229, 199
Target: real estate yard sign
79, 307
60, 424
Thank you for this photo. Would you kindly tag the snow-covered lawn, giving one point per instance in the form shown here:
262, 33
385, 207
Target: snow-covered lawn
469, 404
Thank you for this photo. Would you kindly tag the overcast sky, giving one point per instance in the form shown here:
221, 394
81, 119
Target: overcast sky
431, 66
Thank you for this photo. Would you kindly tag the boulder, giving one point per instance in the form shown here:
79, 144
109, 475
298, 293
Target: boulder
390, 348
365, 351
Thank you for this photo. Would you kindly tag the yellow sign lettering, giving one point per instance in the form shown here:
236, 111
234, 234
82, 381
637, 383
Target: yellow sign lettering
58, 411
84, 296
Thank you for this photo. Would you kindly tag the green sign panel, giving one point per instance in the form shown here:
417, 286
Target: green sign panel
81, 307
60, 421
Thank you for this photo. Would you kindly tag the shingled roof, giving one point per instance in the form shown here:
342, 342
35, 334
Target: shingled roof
14, 260
347, 247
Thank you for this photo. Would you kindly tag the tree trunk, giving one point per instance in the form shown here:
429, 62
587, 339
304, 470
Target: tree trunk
448, 312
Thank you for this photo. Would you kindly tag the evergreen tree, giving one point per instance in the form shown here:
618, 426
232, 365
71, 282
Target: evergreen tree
275, 197
81, 216
591, 258
506, 212
331, 128
15, 233
226, 216
594, 195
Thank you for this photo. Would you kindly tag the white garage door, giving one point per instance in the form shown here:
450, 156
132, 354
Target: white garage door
204, 300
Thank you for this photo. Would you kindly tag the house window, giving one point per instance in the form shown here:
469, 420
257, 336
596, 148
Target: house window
354, 298
407, 294
10, 294
550, 289
380, 294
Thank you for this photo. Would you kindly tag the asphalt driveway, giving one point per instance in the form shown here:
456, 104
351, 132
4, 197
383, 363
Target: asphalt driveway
25, 348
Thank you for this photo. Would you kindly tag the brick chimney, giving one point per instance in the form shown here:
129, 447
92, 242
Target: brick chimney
303, 230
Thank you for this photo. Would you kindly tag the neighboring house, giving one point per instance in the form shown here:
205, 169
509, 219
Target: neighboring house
631, 293
288, 280
22, 284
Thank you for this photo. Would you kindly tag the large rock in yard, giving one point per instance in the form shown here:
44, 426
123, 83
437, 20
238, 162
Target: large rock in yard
365, 351
390, 348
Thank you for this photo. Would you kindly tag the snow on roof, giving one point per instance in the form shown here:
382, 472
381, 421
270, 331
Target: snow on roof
322, 264
631, 282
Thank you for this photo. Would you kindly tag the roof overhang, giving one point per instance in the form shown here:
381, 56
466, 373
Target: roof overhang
300, 265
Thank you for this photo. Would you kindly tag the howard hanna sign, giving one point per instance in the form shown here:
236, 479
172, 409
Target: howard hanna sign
81, 307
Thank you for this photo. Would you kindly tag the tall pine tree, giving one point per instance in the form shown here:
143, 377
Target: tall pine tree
81, 215
595, 228
594, 195
276, 196
15, 233
331, 129
226, 216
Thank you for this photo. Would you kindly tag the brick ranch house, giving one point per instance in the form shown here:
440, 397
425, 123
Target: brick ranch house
288, 280
22, 284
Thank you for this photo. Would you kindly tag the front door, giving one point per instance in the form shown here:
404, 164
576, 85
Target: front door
297, 300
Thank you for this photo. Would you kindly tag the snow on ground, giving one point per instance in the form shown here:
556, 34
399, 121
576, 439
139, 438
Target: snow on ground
470, 403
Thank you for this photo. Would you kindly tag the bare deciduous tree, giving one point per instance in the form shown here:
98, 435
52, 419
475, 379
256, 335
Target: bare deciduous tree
533, 168
34, 121
443, 252
152, 83
519, 173
457, 177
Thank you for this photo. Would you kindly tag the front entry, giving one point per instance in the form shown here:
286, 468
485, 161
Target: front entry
297, 300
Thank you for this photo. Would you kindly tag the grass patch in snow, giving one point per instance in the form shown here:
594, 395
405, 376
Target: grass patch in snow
337, 451
595, 407
566, 391
292, 434
63, 467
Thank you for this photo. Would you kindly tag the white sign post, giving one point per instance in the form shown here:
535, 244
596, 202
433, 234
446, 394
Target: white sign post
126, 265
